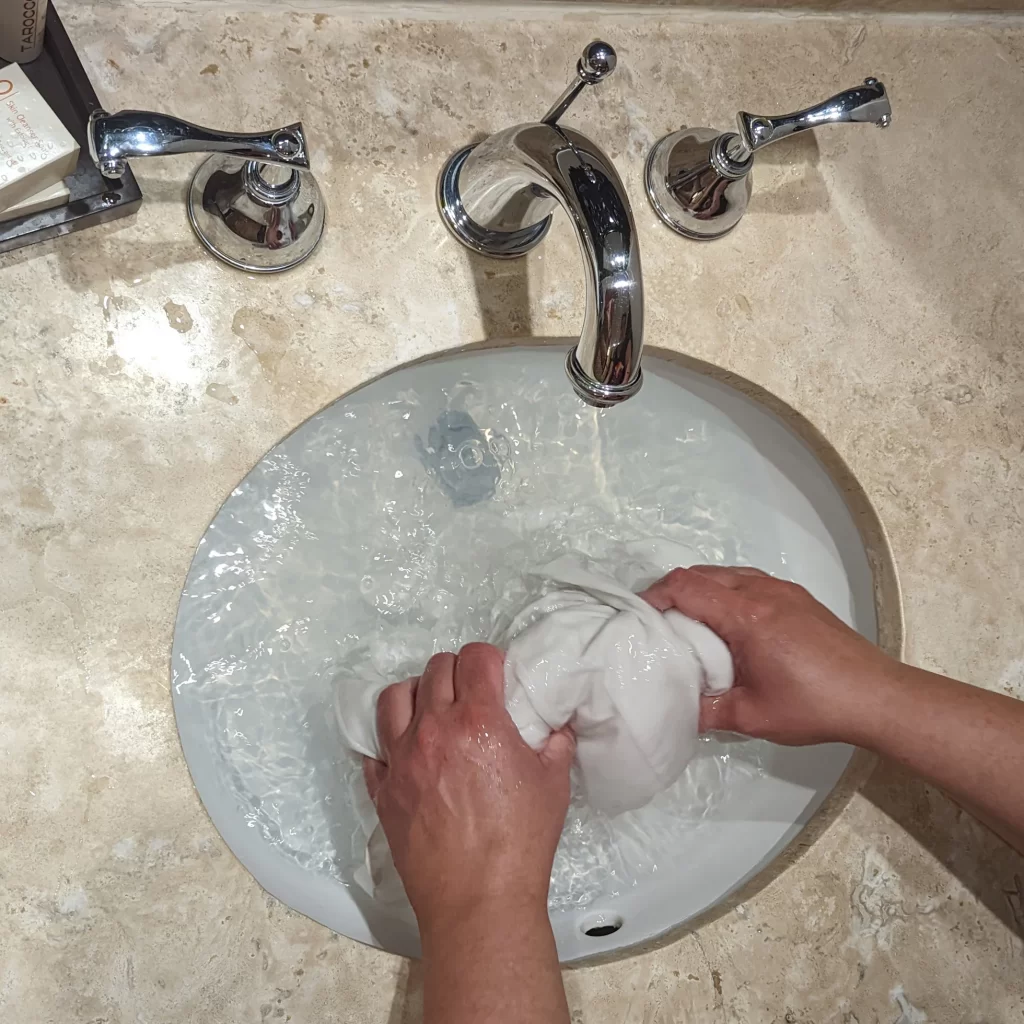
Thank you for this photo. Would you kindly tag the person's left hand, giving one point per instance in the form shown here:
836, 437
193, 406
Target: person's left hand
471, 812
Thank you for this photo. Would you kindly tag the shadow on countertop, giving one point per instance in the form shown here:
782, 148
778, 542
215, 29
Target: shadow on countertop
407, 1004
976, 857
503, 296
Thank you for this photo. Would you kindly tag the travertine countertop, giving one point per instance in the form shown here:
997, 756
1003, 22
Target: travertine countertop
876, 285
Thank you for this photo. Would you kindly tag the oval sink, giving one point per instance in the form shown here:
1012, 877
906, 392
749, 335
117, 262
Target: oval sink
404, 517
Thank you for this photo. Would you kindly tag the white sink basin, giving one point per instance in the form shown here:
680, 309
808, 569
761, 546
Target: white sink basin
298, 578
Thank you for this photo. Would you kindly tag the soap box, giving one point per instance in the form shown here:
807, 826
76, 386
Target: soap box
48, 199
36, 150
22, 24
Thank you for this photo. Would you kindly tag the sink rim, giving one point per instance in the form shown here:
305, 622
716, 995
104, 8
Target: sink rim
886, 595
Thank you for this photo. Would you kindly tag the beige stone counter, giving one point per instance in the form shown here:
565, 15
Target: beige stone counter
877, 285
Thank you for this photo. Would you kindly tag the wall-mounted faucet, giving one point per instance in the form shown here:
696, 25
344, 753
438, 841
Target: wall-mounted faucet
497, 199
254, 204
698, 179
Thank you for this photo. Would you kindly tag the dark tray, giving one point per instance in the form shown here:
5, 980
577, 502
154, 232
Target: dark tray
61, 80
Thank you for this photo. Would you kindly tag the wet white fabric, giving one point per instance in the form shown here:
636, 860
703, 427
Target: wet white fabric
591, 653
628, 678
355, 706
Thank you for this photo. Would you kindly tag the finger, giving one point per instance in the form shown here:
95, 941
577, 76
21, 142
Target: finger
436, 689
732, 576
480, 674
394, 713
560, 749
697, 596
374, 774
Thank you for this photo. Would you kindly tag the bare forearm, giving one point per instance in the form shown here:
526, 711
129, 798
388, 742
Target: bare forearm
803, 676
497, 965
965, 740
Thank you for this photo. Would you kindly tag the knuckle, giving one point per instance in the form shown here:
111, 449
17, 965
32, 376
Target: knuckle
787, 590
475, 725
781, 585
428, 734
438, 662
475, 716
465, 716
481, 651
757, 609
770, 597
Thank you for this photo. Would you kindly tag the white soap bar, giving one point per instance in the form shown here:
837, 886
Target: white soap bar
55, 195
36, 150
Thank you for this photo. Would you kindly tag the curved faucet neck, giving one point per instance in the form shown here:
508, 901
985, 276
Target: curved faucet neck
512, 182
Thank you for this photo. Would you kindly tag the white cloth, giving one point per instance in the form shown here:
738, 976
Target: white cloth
593, 654
627, 677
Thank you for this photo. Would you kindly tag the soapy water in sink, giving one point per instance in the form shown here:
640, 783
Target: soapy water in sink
404, 520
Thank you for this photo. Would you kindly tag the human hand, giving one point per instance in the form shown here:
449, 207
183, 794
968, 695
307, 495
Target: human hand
472, 814
801, 675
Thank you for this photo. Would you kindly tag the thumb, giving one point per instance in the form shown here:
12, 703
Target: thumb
719, 712
560, 749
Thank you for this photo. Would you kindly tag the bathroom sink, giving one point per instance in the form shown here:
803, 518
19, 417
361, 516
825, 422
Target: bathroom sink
404, 518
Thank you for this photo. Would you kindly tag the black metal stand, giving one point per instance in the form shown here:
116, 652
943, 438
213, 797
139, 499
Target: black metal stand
61, 80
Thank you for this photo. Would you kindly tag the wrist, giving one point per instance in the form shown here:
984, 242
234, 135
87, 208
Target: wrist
873, 706
476, 917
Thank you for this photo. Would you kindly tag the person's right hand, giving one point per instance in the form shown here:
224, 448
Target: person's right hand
472, 814
802, 675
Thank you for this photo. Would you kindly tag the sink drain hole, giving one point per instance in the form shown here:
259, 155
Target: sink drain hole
600, 925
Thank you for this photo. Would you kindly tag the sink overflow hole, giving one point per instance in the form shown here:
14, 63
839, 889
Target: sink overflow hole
600, 925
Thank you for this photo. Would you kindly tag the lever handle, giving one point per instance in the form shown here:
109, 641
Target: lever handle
867, 102
116, 138
596, 63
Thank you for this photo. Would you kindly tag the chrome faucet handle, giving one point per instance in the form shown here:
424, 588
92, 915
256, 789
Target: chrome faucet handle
114, 139
863, 103
698, 180
254, 204
596, 63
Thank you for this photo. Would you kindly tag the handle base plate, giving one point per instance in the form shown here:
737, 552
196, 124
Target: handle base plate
689, 187
502, 245
252, 222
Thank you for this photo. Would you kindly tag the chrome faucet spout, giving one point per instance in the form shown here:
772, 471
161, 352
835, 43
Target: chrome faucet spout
498, 197
507, 187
